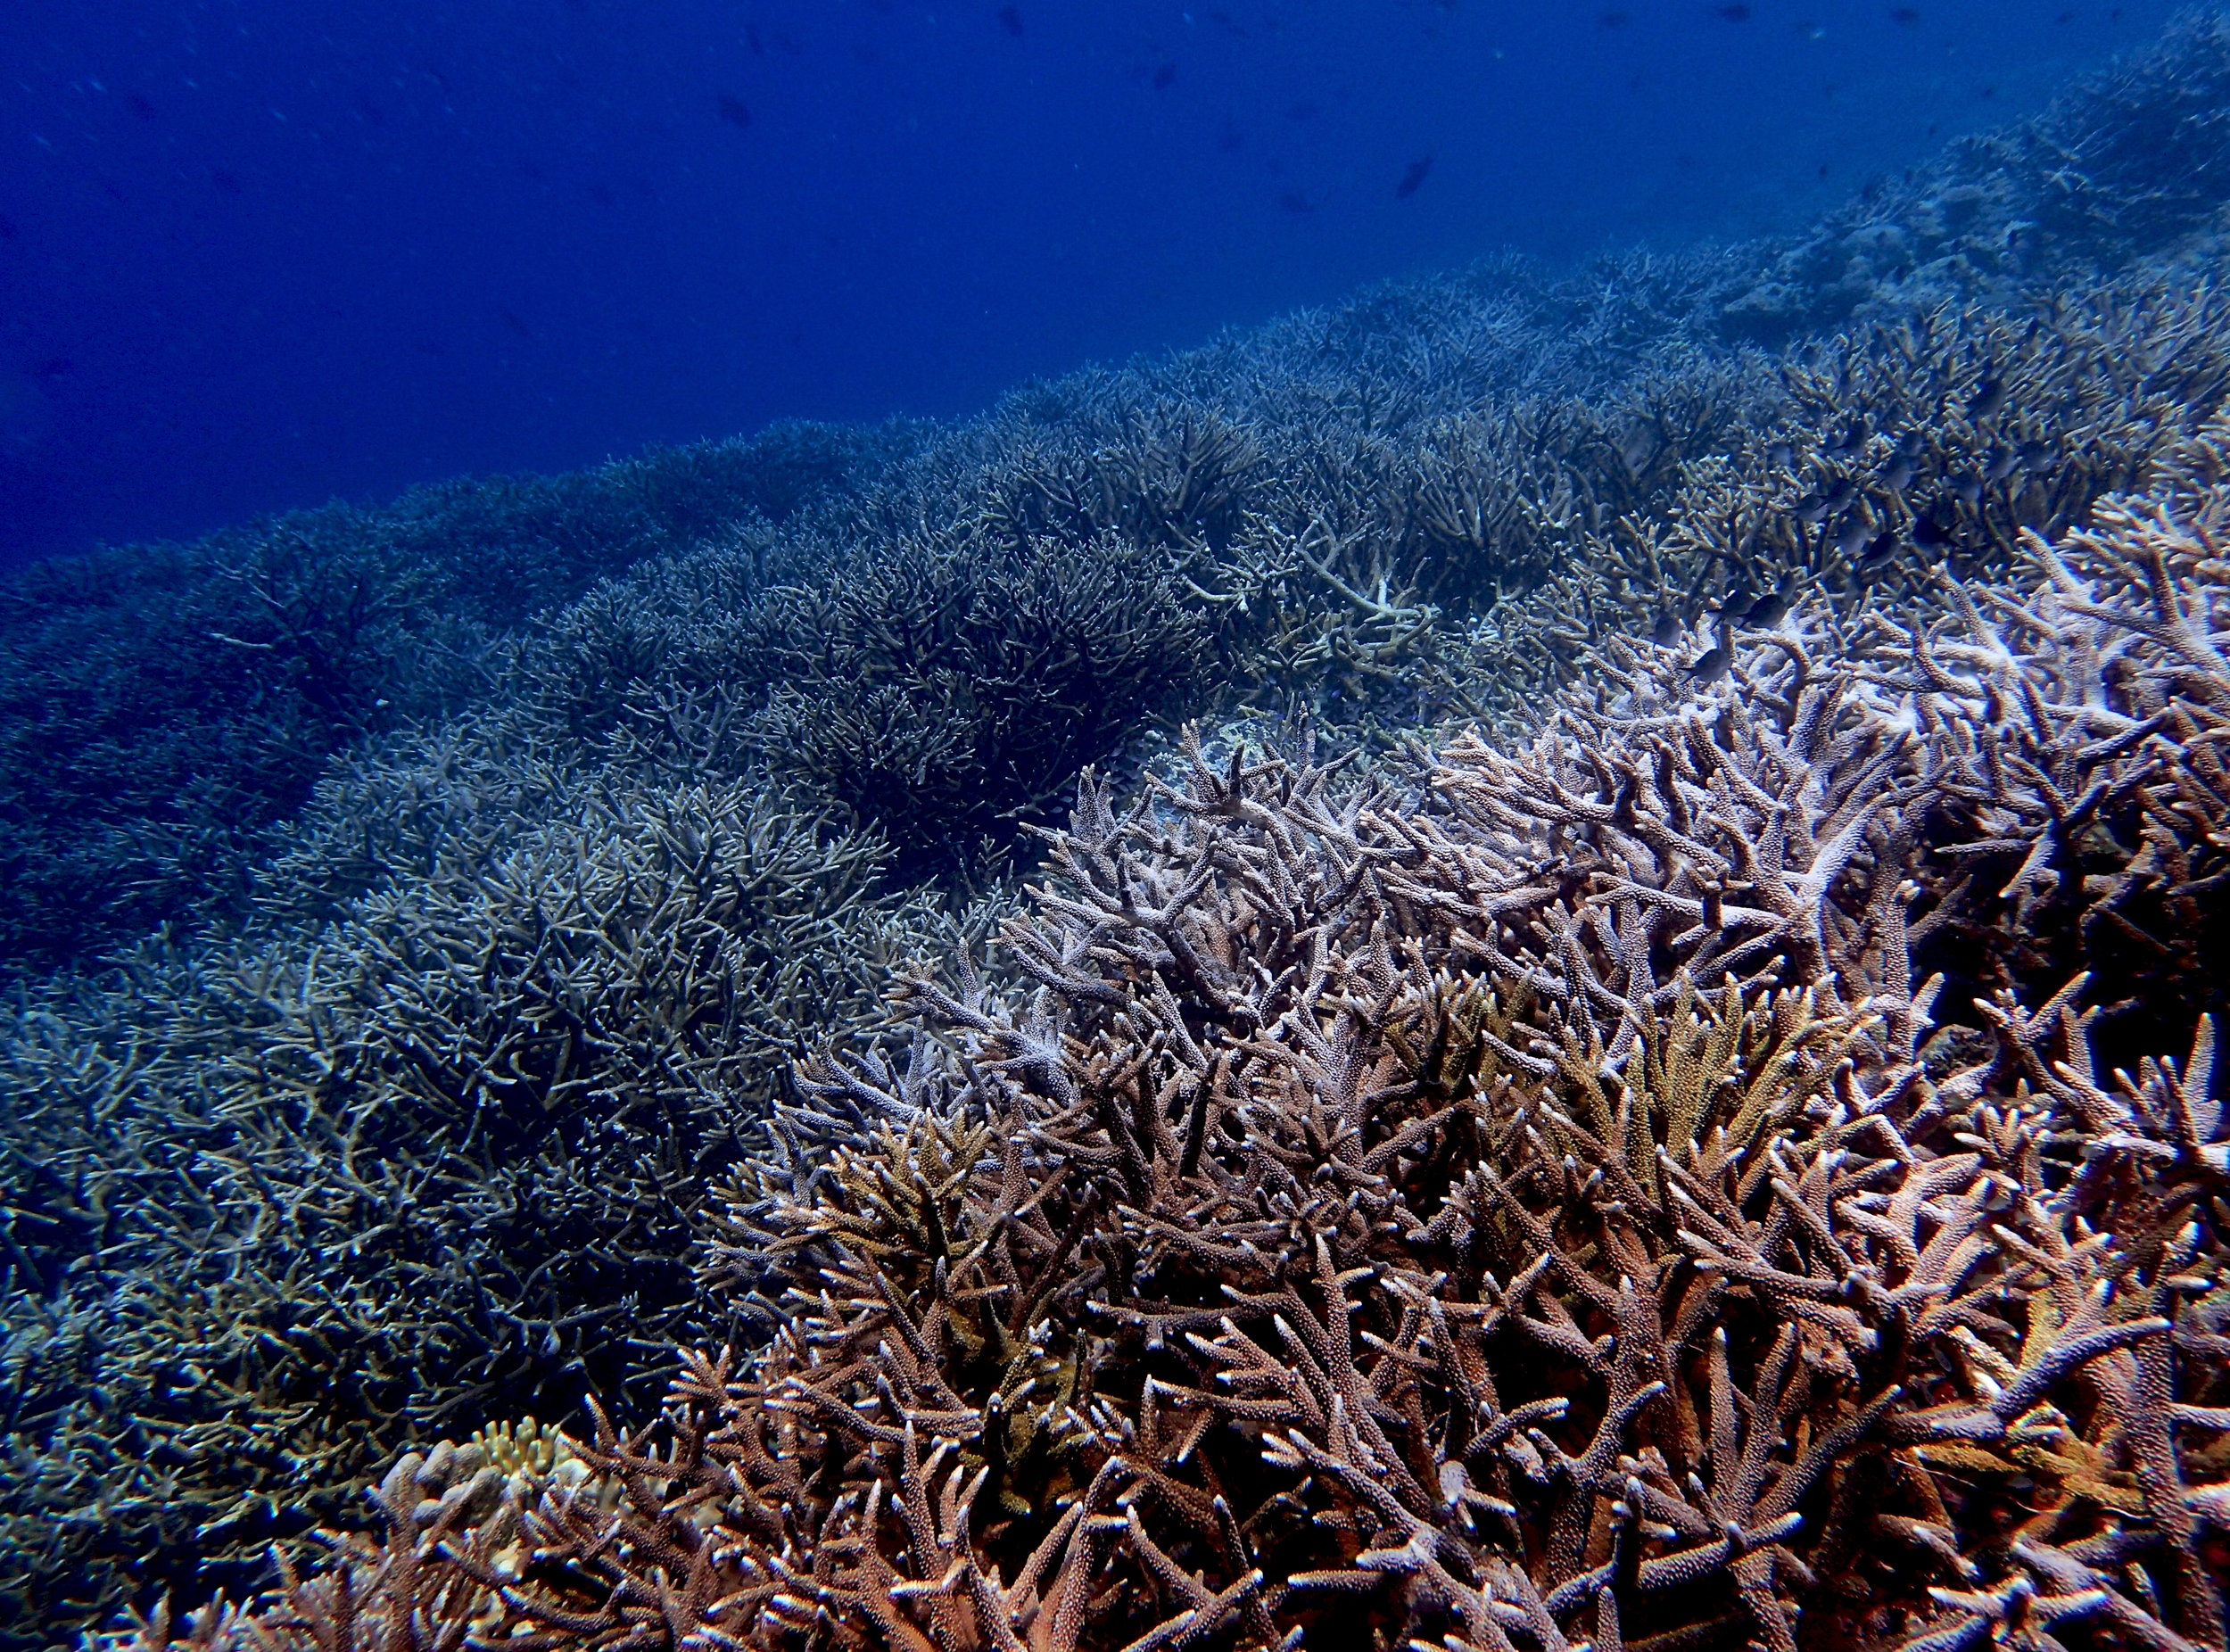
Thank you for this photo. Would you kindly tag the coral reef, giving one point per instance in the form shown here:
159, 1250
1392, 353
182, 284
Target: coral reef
1551, 1200
2124, 163
161, 707
1723, 1145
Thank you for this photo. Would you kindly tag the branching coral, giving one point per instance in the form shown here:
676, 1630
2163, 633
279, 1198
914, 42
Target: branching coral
1530, 1206
1330, 1231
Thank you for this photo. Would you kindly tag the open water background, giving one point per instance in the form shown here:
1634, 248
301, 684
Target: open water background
255, 255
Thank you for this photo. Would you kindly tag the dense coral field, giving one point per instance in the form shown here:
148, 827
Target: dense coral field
1534, 964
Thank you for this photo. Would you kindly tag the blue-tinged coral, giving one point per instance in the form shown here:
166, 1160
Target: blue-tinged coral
1680, 1112
1541, 1196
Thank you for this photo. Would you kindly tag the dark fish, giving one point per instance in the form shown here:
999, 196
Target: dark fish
1780, 455
1842, 494
1165, 76
1853, 535
53, 367
2035, 455
1293, 201
1011, 20
1879, 554
1810, 508
1897, 475
139, 105
1930, 534
2001, 466
1733, 14
1989, 399
1969, 489
1412, 179
751, 38
509, 317
1615, 19
1667, 631
1771, 609
732, 111
1843, 446
1302, 110
1712, 666
224, 180
1905, 14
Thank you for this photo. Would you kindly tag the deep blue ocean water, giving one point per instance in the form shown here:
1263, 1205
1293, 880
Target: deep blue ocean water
255, 255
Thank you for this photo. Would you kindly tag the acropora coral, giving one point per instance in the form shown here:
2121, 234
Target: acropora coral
1619, 1048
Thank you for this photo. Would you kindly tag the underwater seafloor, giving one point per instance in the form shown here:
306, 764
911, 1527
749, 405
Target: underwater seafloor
1616, 1045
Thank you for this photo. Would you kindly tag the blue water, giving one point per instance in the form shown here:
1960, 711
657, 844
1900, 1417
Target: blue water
254, 255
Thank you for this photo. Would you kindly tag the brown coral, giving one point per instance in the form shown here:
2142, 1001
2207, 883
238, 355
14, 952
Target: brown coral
1533, 1207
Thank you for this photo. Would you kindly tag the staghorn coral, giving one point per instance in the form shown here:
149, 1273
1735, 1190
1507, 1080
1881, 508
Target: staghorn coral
281, 1212
945, 686
161, 705
2126, 164
1448, 497
1527, 1206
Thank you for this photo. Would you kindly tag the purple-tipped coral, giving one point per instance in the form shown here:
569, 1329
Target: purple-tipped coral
1550, 1199
1728, 1148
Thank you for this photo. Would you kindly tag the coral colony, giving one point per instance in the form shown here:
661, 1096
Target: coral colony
1638, 1068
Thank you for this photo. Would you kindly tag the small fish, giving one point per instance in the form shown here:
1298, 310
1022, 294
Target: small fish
1898, 474
1732, 13
1412, 179
1907, 16
1614, 19
2035, 455
1293, 201
1667, 631
1011, 20
1165, 76
1712, 666
1930, 534
139, 105
1969, 489
1989, 399
1771, 609
2002, 464
1302, 110
1849, 442
1810, 508
1781, 455
1880, 553
1852, 536
732, 111
751, 38
1842, 494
